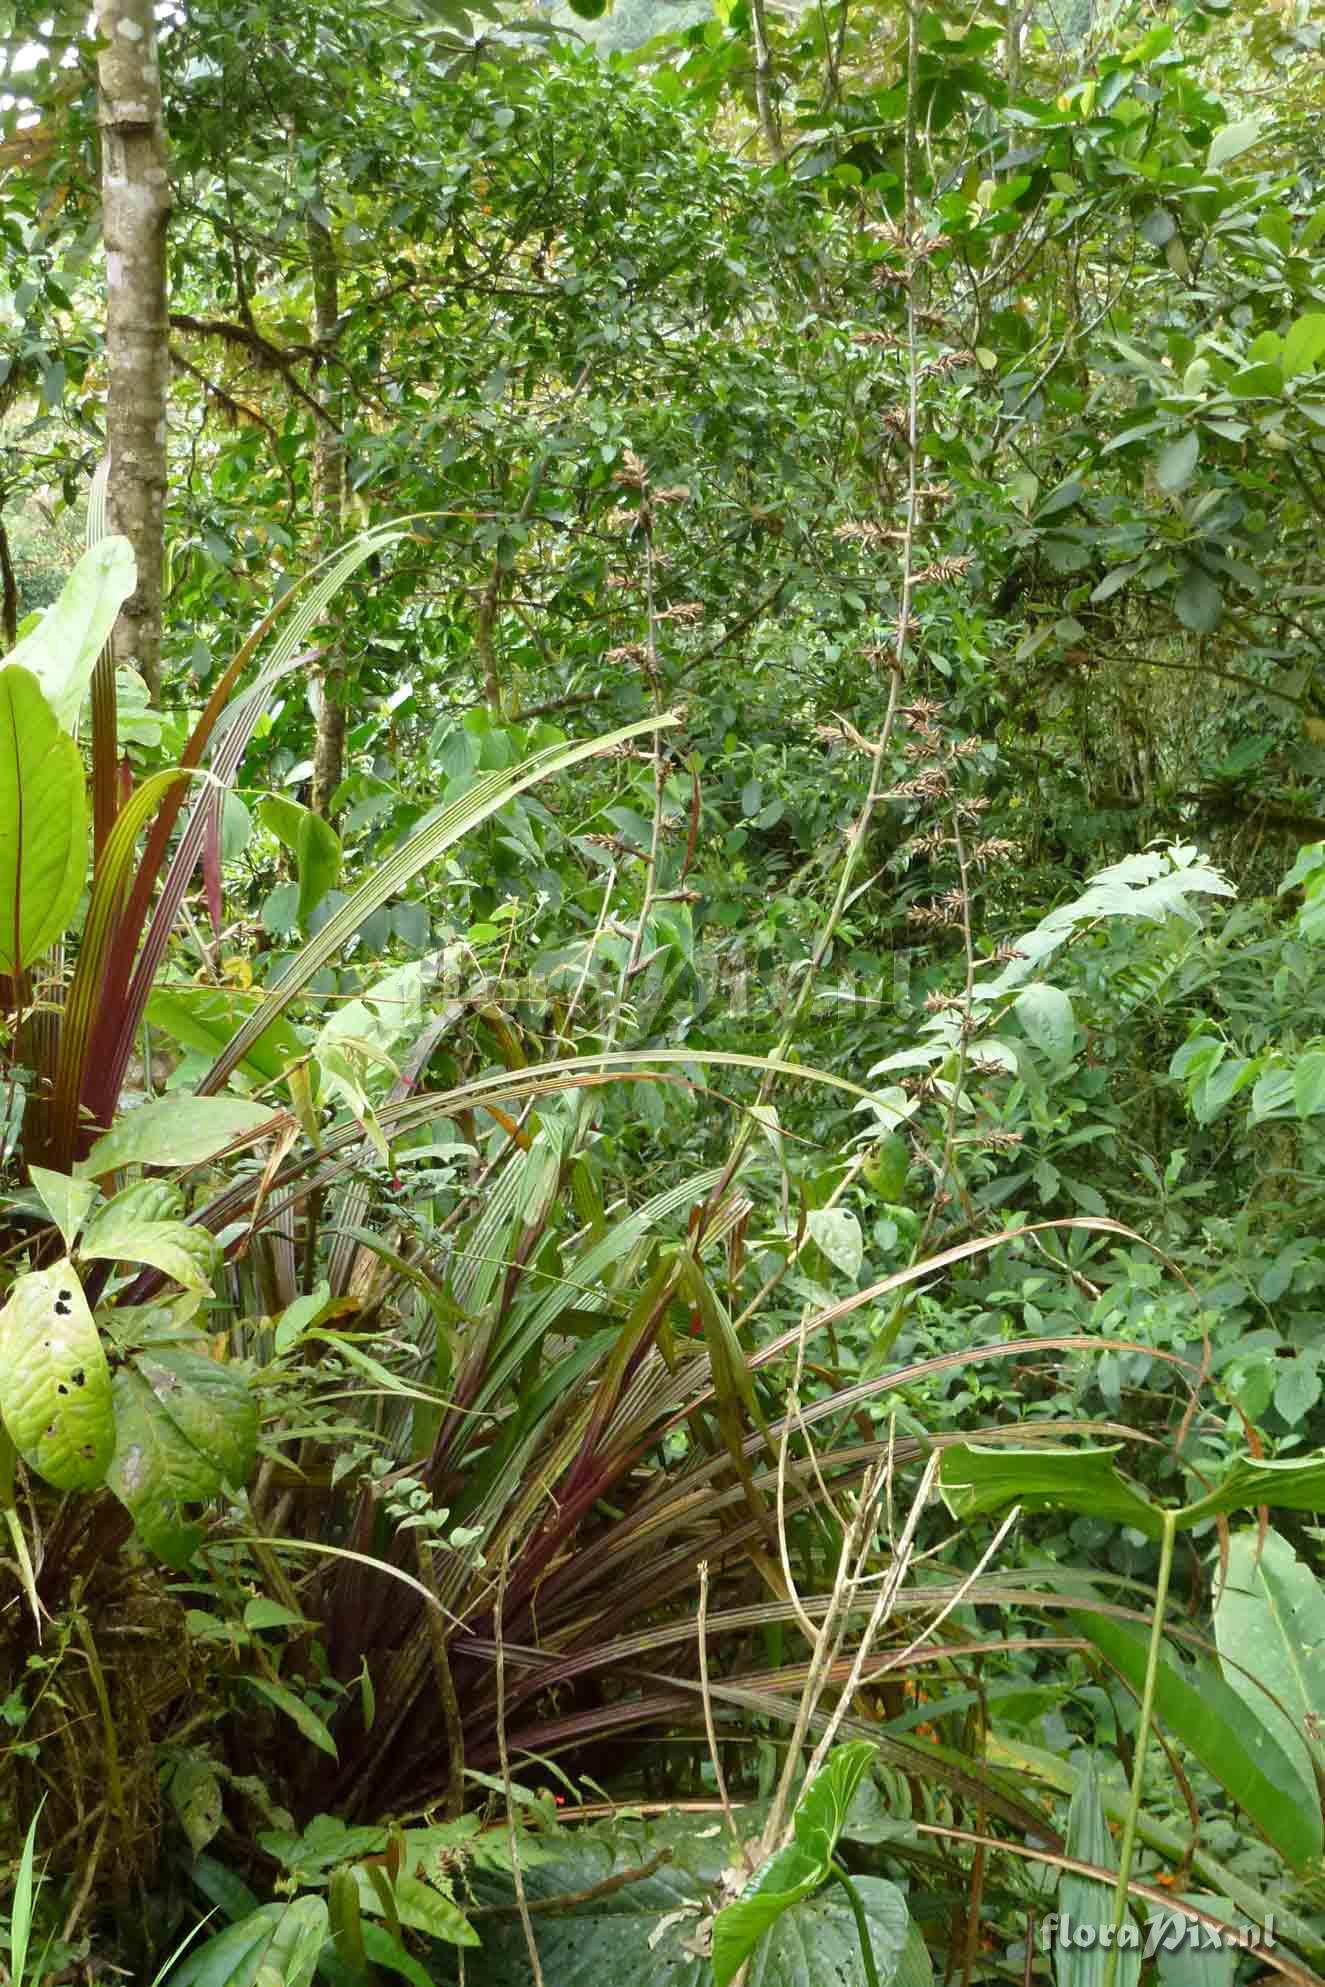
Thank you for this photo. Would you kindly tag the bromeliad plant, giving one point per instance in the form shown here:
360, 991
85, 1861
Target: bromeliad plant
171, 1424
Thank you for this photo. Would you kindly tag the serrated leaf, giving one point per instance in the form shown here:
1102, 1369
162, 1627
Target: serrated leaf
55, 1387
43, 823
185, 1426
173, 1131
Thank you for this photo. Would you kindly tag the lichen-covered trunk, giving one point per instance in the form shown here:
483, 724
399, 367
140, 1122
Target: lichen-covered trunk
329, 510
135, 194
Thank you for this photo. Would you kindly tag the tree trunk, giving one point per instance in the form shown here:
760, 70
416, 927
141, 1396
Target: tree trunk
135, 193
768, 123
329, 511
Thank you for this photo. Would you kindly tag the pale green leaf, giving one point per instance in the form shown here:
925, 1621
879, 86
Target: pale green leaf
43, 823
174, 1131
62, 650
55, 1388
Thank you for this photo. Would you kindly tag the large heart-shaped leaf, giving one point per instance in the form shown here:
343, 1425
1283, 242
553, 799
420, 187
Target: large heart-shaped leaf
55, 1389
43, 823
975, 1480
816, 1943
185, 1426
797, 1871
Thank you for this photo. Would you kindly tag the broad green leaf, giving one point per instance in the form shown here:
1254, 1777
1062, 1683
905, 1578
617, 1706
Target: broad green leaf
297, 1711
55, 1387
66, 1200
1309, 1084
195, 1796
62, 650
1177, 463
1270, 1628
1045, 1014
43, 823
837, 1232
816, 1944
1198, 603
421, 1907
639, 1935
312, 842
204, 1018
1196, 1706
1086, 1901
385, 1951
280, 1941
1304, 343
1231, 140
1296, 1484
124, 1230
797, 1871
173, 1131
185, 1426
975, 1480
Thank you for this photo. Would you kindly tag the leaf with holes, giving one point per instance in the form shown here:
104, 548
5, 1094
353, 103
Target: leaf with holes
55, 1390
185, 1426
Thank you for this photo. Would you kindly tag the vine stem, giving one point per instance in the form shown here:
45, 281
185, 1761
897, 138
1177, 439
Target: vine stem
862, 1924
1128, 1844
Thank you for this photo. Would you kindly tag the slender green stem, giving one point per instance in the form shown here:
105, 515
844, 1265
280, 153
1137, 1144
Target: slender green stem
1128, 1843
862, 1925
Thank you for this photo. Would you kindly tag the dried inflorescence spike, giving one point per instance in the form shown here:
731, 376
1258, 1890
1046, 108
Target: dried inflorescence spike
966, 748
888, 339
995, 848
950, 362
942, 569
628, 652
932, 784
864, 532
1001, 1141
686, 612
675, 493
621, 582
632, 474
941, 1003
